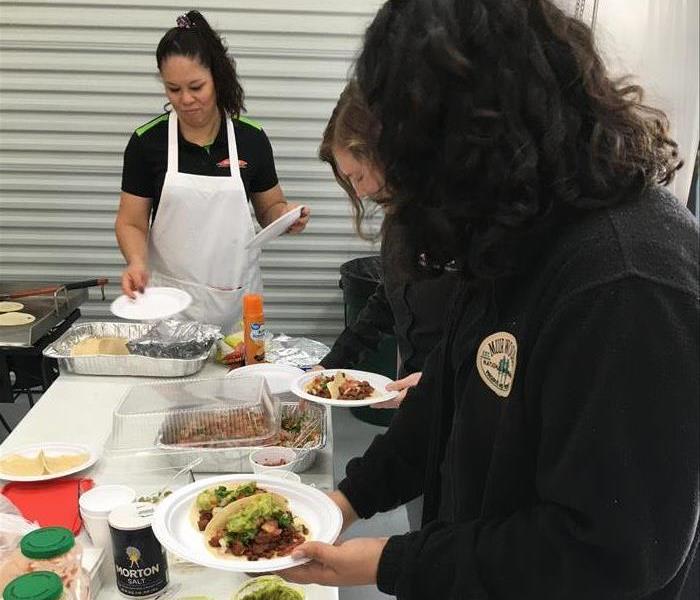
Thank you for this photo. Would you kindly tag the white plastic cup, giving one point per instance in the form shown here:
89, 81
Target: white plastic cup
272, 454
95, 506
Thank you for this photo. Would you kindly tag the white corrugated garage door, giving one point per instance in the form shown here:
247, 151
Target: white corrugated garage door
76, 78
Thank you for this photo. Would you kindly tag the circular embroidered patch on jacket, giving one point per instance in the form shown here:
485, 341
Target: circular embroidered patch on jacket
496, 360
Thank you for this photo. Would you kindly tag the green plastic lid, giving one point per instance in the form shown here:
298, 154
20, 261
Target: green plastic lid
40, 585
47, 542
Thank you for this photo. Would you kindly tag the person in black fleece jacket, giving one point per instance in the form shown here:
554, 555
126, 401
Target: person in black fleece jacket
555, 430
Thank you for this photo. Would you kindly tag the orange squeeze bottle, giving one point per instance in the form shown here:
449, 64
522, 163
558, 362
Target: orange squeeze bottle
253, 329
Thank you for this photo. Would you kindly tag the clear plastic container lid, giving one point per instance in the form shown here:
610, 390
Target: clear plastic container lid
183, 416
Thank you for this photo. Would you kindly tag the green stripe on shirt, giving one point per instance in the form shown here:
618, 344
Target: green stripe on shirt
250, 122
152, 123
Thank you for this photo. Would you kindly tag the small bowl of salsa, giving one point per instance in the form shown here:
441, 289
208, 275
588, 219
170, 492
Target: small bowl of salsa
273, 458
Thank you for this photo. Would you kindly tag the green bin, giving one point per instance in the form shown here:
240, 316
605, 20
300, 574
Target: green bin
358, 280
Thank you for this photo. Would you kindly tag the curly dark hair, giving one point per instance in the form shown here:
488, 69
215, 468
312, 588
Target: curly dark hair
198, 40
499, 123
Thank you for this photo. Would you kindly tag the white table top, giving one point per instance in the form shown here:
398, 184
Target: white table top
78, 408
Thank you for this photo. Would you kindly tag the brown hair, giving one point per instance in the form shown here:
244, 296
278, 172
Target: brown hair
354, 128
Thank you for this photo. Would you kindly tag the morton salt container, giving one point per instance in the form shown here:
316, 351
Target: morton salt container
140, 563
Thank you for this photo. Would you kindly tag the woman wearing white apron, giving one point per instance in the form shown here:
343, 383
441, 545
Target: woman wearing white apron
189, 174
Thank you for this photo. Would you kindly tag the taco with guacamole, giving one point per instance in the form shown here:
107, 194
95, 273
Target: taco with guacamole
257, 527
212, 500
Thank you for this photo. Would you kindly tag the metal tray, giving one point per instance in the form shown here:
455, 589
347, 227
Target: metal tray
235, 459
130, 365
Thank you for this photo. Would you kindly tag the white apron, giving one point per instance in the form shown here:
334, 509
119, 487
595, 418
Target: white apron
197, 241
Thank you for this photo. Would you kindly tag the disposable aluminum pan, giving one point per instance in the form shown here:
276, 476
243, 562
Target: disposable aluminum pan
235, 459
130, 365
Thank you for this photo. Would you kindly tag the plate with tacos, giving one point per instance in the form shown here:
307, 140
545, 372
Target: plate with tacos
343, 387
245, 523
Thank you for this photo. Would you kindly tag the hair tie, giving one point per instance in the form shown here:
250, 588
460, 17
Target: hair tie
183, 22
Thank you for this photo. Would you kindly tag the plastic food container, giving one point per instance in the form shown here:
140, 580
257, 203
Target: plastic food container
54, 549
187, 416
42, 585
51, 549
305, 433
219, 420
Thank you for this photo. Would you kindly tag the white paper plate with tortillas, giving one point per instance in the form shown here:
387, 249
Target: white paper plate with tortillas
49, 460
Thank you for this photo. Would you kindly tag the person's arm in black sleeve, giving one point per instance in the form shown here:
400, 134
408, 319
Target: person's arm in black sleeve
391, 471
615, 374
374, 321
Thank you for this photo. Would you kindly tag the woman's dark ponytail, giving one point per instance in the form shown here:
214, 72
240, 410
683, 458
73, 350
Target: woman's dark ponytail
193, 37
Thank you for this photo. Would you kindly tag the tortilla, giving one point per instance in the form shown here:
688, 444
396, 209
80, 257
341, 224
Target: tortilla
25, 466
334, 385
233, 486
12, 319
111, 346
64, 462
223, 515
220, 518
41, 464
10, 306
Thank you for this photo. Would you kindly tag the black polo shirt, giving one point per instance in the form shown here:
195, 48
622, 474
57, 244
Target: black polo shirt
146, 158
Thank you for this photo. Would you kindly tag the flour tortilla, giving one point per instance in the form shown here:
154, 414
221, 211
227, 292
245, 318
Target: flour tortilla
194, 511
334, 386
64, 462
41, 464
219, 519
10, 306
11, 319
25, 466
111, 346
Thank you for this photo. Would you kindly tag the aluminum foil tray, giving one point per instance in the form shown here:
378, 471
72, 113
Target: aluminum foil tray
235, 459
130, 365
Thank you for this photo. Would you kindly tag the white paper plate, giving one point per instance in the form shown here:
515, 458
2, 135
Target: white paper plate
51, 449
275, 229
279, 377
378, 382
174, 529
154, 303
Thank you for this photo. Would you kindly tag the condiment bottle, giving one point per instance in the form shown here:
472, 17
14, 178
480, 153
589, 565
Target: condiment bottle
253, 329
41, 585
140, 562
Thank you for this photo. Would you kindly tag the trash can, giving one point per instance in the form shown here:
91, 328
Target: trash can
358, 280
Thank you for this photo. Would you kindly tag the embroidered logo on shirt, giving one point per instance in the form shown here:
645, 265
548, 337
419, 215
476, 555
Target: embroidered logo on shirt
227, 163
496, 360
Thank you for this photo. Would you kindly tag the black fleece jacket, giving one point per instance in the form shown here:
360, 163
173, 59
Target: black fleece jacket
566, 465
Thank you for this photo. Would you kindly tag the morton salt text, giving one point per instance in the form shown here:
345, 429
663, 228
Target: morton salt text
136, 574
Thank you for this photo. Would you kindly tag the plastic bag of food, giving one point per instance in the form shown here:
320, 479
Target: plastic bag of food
13, 527
176, 339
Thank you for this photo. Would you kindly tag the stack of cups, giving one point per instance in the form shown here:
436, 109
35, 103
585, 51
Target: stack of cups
95, 506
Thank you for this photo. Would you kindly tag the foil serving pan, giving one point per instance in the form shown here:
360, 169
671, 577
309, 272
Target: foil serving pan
130, 365
219, 458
